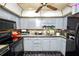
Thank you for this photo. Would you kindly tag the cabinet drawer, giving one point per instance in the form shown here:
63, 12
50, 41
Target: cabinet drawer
36, 42
45, 45
27, 45
55, 45
37, 48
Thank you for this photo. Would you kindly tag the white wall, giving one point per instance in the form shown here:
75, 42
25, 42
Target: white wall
67, 10
4, 14
14, 8
59, 23
75, 8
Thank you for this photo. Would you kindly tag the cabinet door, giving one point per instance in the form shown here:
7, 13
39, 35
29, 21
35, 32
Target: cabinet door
27, 44
45, 44
37, 44
63, 46
59, 23
58, 44
54, 44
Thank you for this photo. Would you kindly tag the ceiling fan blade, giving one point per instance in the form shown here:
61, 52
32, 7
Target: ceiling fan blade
39, 9
51, 7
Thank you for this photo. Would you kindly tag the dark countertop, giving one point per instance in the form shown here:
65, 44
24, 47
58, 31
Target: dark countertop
3, 46
42, 36
3, 49
8, 46
16, 41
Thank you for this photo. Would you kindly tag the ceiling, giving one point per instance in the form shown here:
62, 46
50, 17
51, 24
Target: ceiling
34, 6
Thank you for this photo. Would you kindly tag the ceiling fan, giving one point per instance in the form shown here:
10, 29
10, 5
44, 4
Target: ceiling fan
45, 4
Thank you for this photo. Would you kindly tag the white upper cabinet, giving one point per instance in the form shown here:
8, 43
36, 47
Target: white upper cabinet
48, 21
59, 23
28, 23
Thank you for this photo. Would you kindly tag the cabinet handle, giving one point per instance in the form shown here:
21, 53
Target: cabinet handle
36, 46
36, 43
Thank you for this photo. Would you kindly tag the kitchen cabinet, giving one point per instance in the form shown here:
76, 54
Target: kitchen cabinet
45, 44
37, 46
59, 24
32, 44
27, 44
58, 44
54, 44
63, 45
29, 23
48, 21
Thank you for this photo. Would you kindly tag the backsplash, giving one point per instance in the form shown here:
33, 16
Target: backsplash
50, 32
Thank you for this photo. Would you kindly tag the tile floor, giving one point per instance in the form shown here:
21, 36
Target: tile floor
43, 53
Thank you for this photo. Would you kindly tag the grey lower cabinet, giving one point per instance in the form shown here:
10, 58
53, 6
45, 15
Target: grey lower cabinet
54, 44
36, 44
63, 45
28, 44
45, 44
32, 44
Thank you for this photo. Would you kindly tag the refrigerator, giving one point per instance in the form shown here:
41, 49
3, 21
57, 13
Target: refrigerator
77, 37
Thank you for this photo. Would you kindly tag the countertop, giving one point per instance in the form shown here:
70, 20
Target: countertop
3, 49
3, 46
42, 36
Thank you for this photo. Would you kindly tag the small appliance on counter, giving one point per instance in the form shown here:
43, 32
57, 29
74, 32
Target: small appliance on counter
24, 32
15, 35
58, 34
38, 33
50, 30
